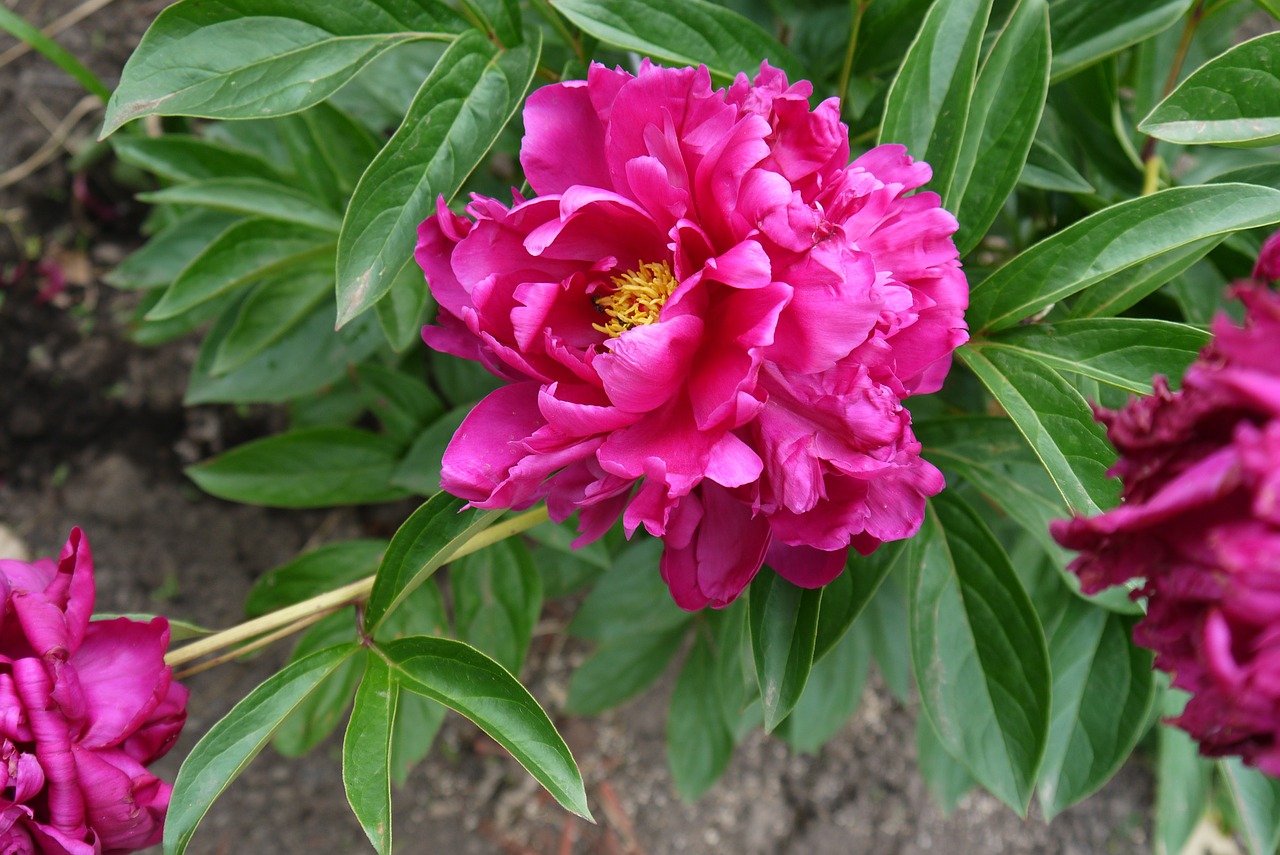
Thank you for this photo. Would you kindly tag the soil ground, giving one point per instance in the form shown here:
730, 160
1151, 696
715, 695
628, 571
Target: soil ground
93, 433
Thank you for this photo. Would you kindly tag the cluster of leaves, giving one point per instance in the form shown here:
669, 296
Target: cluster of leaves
1053, 128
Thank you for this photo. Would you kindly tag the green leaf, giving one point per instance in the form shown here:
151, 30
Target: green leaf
886, 621
1183, 781
1257, 800
164, 255
366, 753
630, 599
1103, 690
426, 540
699, 742
406, 308
620, 669
309, 468
845, 596
784, 625
946, 777
237, 59
461, 108
250, 197
682, 32
1113, 240
308, 358
497, 596
1120, 352
499, 17
328, 151
1048, 170
1056, 421
182, 158
1085, 31
322, 569
1003, 117
420, 469
271, 309
465, 680
1233, 99
929, 102
831, 693
16, 26
247, 251
1123, 290
418, 720
401, 401
236, 739
979, 652
316, 716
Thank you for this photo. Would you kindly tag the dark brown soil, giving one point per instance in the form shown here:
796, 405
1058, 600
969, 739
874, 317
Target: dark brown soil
92, 433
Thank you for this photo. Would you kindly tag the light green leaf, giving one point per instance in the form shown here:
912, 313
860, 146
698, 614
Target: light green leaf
630, 599
1003, 116
272, 308
461, 108
945, 776
1120, 352
308, 468
1048, 170
831, 693
250, 197
164, 255
1102, 695
247, 251
980, 657
316, 716
401, 400
321, 569
182, 158
1113, 240
420, 469
1056, 421
422, 543
845, 596
236, 59
784, 625
1123, 290
237, 738
465, 680
929, 102
682, 32
406, 308
497, 596
1233, 99
699, 741
366, 753
620, 669
1085, 31
1257, 800
308, 358
1183, 782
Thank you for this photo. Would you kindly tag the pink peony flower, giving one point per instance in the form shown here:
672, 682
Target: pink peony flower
708, 318
84, 706
1200, 521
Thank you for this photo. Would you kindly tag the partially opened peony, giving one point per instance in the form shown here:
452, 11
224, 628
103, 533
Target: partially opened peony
708, 318
84, 706
1200, 523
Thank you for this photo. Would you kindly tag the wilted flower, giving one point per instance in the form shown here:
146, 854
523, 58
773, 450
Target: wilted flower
84, 706
708, 318
1201, 522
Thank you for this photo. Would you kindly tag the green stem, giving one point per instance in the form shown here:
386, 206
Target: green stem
859, 7
18, 27
301, 614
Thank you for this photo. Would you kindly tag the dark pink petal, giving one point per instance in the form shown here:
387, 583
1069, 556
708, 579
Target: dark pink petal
804, 565
123, 677
563, 139
723, 556
53, 747
124, 803
645, 365
1268, 267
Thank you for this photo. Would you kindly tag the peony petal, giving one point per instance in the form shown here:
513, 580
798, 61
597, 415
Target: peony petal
646, 365
804, 565
123, 677
563, 140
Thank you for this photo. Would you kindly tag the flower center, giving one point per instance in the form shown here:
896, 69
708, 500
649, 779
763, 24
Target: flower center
636, 299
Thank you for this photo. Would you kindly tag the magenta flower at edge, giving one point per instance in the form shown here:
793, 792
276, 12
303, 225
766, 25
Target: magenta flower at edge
1201, 522
708, 319
84, 707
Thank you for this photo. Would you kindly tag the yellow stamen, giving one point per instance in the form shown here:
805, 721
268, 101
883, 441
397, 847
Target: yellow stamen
637, 298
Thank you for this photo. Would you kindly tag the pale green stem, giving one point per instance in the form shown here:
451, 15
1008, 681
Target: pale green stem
293, 616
